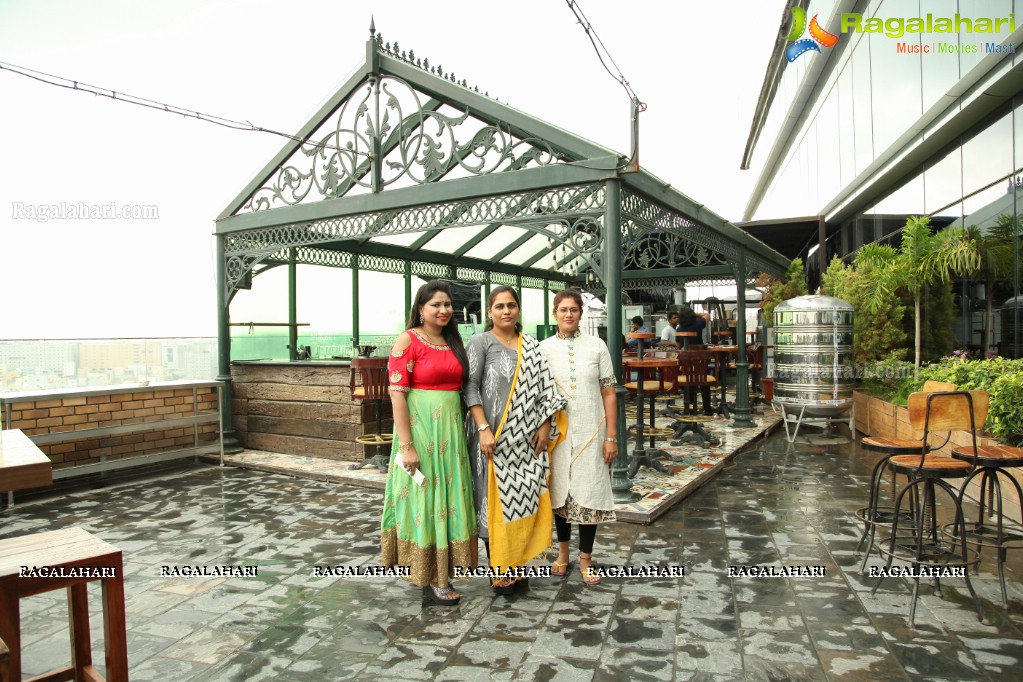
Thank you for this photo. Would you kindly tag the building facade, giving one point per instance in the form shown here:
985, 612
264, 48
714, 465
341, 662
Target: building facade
895, 108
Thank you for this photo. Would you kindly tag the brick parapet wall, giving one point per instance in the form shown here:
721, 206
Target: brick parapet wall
303, 409
117, 408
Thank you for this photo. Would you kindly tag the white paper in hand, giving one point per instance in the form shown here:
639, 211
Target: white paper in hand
416, 475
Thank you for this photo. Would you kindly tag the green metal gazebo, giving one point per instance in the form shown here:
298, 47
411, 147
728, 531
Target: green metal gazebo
408, 170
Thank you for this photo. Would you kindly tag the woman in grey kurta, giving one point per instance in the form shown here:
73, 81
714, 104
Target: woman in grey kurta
580, 477
511, 397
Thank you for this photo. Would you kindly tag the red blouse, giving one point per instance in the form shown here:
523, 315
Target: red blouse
425, 366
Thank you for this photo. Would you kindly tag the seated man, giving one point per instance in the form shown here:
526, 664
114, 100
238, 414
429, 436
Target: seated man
639, 328
668, 333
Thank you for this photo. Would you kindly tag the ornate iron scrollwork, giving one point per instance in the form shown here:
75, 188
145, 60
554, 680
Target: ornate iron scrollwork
416, 142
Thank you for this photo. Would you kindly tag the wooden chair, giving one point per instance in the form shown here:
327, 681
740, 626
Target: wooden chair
875, 514
368, 382
657, 381
924, 546
694, 373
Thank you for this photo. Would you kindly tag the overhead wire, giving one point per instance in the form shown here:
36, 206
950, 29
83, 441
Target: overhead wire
602, 51
62, 82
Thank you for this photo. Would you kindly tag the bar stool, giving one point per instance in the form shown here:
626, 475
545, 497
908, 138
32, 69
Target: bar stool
71, 558
755, 363
874, 514
991, 462
924, 546
368, 381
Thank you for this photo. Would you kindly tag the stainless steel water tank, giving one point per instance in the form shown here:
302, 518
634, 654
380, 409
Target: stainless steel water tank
1009, 331
813, 354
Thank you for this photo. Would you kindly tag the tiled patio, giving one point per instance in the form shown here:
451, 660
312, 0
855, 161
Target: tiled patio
774, 504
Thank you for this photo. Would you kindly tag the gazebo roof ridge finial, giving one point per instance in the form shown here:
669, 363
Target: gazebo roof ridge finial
372, 27
422, 63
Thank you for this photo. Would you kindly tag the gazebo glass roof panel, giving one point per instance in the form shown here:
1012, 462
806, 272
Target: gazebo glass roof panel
450, 239
495, 243
528, 251
397, 239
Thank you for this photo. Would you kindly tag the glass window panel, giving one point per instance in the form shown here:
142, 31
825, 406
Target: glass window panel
1018, 131
943, 181
974, 9
829, 141
940, 70
895, 78
987, 155
988, 208
862, 128
906, 201
846, 146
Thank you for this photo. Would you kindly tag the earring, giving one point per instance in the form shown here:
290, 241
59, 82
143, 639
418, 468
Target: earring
420, 319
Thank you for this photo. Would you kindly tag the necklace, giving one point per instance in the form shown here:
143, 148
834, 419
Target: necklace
504, 340
431, 339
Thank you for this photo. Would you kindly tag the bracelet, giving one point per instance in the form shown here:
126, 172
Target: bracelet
610, 439
403, 447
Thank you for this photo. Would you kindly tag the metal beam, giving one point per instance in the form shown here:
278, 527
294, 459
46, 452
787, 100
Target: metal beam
459, 189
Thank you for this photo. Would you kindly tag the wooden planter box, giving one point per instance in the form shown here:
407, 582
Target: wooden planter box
878, 418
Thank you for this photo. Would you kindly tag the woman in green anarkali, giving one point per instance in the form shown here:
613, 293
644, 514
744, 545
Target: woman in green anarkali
430, 528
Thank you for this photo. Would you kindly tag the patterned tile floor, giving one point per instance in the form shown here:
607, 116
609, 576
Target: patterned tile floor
653, 492
773, 504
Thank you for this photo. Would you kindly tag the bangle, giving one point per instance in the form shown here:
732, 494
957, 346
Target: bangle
403, 447
611, 439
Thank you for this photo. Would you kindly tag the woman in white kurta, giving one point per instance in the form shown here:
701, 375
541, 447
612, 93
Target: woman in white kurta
580, 486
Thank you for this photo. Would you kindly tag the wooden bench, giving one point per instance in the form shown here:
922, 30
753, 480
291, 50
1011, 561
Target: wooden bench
22, 464
70, 558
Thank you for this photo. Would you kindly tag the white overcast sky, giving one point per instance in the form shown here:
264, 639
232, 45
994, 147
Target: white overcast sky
697, 65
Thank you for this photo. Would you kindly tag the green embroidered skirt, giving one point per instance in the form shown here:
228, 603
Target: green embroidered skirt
432, 528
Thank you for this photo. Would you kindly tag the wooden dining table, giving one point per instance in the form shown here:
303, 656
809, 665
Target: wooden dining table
22, 464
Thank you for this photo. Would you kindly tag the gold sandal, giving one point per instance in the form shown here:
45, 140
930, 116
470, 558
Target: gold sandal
589, 577
560, 568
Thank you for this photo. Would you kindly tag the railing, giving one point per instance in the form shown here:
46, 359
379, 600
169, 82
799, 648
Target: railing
99, 429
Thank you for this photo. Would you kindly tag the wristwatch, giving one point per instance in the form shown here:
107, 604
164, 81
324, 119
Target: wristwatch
482, 427
611, 440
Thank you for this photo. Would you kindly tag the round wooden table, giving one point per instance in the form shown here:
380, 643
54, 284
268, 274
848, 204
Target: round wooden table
640, 455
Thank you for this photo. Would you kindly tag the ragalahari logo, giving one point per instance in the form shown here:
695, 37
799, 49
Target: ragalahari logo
818, 36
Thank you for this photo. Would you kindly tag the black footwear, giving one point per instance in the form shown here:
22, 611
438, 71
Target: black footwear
503, 586
522, 585
431, 594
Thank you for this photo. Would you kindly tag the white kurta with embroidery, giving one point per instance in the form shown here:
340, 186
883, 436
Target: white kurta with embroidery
581, 364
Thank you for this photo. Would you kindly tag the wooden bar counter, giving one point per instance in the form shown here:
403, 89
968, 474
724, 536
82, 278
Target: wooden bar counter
301, 408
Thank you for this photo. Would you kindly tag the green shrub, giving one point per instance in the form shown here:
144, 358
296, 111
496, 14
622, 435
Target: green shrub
1000, 377
1005, 417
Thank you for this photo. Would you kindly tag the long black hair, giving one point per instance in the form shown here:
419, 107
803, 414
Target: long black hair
490, 303
450, 330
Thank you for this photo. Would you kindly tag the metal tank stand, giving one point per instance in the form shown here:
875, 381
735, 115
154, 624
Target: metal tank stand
797, 414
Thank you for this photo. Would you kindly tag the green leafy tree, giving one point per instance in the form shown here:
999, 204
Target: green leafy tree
922, 257
775, 291
877, 321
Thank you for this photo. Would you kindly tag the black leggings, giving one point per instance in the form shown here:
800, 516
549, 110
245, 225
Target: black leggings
587, 533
